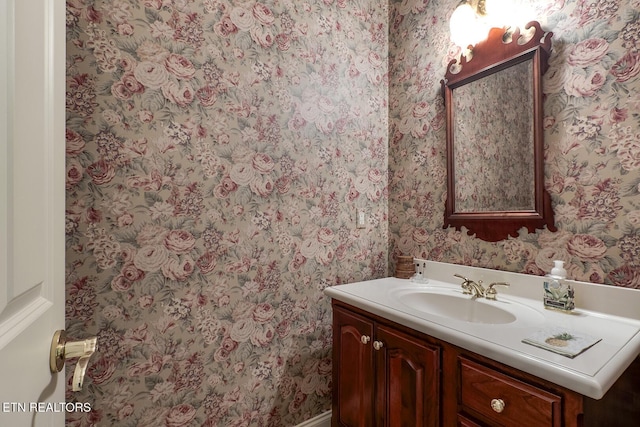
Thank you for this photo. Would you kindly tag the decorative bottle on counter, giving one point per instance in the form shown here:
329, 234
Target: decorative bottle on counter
557, 293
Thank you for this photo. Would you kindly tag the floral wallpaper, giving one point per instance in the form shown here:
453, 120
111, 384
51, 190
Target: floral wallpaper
217, 152
591, 131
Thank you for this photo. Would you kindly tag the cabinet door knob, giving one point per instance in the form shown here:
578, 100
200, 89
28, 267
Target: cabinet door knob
378, 345
497, 405
365, 339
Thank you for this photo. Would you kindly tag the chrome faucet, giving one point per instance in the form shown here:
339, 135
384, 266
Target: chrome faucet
469, 287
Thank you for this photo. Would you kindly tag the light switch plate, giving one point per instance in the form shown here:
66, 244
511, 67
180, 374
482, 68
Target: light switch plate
361, 218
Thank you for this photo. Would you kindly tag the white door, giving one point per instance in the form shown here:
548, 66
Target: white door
32, 175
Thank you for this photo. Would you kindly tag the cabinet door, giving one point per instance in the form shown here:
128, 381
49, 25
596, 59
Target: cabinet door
352, 370
408, 380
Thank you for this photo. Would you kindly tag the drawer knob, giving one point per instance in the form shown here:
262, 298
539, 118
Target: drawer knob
365, 339
378, 345
497, 405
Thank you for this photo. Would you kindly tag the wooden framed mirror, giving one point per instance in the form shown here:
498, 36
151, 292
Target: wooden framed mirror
495, 159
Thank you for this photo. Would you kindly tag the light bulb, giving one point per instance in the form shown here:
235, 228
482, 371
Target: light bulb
462, 25
494, 6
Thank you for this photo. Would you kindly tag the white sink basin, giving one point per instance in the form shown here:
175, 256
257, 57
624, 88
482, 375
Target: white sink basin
454, 305
457, 307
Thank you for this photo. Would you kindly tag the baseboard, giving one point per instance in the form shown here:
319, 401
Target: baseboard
322, 420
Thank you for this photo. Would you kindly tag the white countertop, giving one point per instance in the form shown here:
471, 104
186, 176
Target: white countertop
591, 373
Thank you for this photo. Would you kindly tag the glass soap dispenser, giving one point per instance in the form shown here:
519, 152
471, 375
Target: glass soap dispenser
557, 293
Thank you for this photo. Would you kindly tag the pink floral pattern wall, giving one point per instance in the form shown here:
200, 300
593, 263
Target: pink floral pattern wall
592, 142
217, 152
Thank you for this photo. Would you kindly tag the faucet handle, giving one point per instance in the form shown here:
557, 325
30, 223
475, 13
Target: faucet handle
491, 292
466, 284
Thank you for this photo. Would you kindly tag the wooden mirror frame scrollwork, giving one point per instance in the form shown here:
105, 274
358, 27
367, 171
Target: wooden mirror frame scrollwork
489, 57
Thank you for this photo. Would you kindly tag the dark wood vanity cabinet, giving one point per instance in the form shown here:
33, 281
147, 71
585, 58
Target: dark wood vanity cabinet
385, 374
382, 376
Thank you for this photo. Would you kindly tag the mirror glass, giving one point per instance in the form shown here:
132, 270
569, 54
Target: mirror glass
495, 164
487, 133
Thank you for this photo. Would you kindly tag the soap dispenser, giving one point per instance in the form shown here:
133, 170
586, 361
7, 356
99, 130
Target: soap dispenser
557, 293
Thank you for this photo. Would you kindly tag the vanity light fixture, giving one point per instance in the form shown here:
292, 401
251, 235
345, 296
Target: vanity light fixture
472, 19
468, 23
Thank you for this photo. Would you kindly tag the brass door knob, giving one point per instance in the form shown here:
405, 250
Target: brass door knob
61, 350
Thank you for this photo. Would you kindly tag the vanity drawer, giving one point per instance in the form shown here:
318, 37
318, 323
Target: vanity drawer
505, 400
